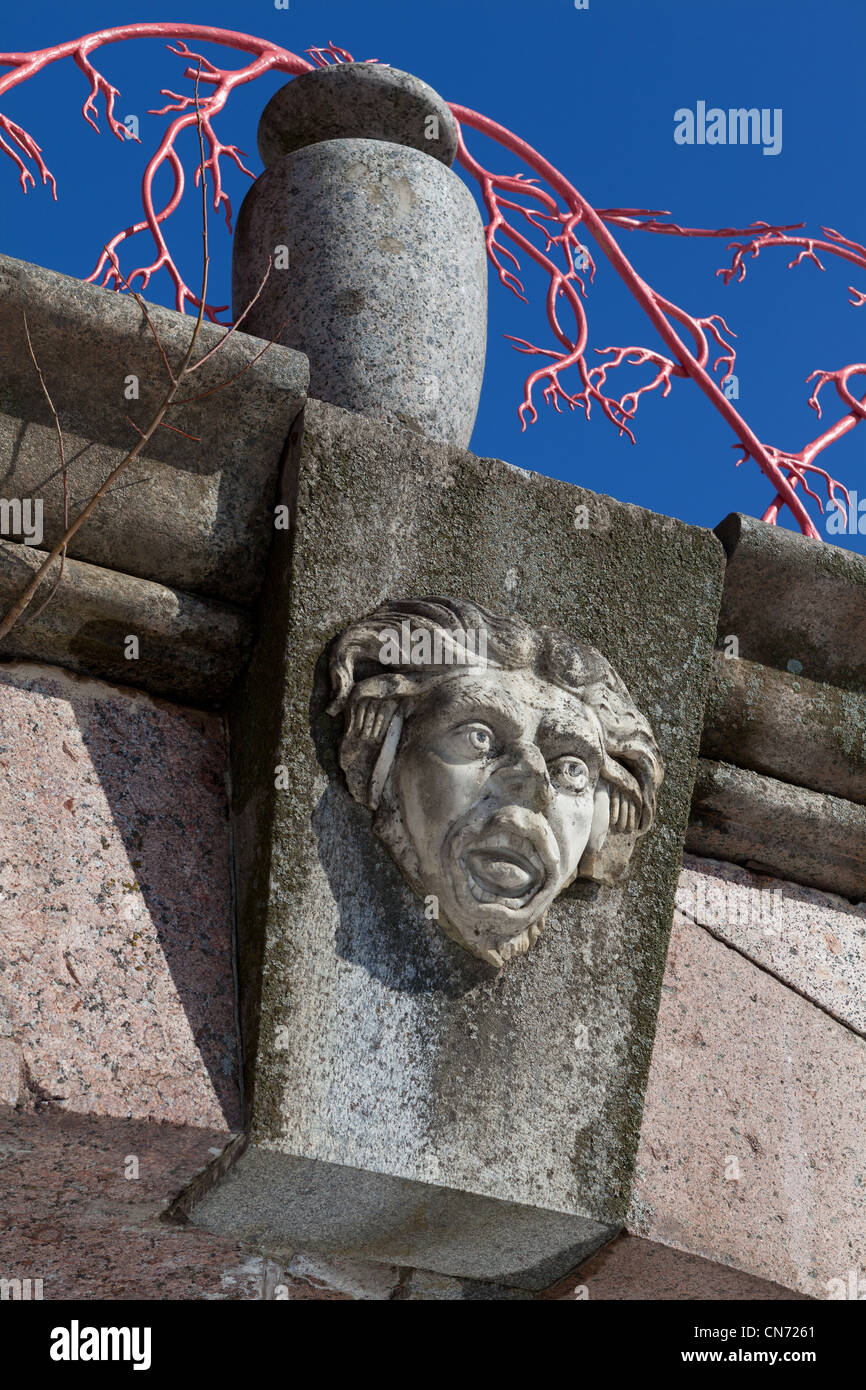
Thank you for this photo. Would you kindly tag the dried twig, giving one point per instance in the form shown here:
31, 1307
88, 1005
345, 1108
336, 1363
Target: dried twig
62, 450
176, 378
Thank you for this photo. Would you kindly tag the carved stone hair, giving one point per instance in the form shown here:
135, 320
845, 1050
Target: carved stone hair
378, 699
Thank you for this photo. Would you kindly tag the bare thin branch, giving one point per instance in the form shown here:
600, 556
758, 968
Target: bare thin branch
62, 449
238, 321
143, 307
24, 599
221, 385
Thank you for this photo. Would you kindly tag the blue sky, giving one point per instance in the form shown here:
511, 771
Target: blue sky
595, 91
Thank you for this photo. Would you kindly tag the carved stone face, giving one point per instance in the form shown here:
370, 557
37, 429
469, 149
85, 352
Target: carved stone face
495, 783
501, 761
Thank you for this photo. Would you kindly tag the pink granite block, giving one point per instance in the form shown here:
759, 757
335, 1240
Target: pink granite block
82, 1202
752, 1147
101, 1261
814, 941
635, 1270
12, 1073
115, 900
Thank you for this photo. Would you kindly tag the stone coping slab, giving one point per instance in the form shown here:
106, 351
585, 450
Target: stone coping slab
194, 513
775, 828
796, 604
805, 732
189, 648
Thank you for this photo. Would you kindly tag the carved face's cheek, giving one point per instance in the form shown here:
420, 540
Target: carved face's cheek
570, 819
433, 794
458, 763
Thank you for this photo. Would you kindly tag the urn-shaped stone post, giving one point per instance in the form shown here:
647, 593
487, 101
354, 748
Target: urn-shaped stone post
378, 261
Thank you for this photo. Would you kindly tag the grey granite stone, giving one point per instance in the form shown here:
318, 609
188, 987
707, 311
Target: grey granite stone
189, 648
194, 515
374, 1043
424, 1286
795, 604
275, 1202
794, 729
774, 828
357, 101
385, 286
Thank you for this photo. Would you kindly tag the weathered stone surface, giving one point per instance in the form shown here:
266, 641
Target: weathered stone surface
423, 1286
386, 284
360, 101
629, 1268
192, 515
116, 988
778, 829
795, 604
751, 1147
814, 942
275, 1201
383, 1046
189, 648
310, 1276
793, 729
362, 1280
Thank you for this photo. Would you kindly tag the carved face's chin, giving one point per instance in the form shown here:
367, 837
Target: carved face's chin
495, 942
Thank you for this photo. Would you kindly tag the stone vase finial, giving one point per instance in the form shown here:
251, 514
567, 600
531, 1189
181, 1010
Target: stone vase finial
379, 270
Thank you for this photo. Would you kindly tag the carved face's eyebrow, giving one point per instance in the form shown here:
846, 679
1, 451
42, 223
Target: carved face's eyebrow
476, 702
577, 734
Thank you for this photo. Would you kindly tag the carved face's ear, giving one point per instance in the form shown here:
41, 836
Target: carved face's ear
369, 737
612, 835
385, 760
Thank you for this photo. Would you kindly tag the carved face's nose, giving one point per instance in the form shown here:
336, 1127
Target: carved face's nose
522, 773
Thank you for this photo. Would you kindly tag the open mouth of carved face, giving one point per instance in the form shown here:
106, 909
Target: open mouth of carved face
499, 871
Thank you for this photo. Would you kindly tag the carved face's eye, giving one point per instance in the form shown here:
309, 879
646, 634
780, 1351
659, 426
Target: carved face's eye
569, 774
479, 738
469, 743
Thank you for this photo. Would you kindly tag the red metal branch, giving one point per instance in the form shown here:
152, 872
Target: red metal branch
840, 380
546, 205
762, 234
28, 147
810, 451
658, 310
834, 245
266, 57
327, 57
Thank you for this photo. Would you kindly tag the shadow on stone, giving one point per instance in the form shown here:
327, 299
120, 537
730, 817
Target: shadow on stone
164, 782
382, 924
